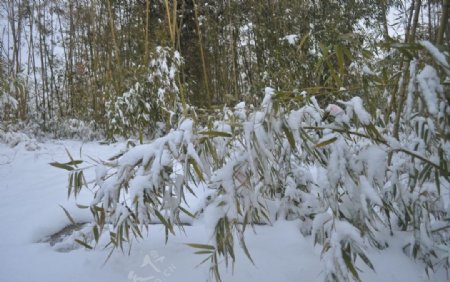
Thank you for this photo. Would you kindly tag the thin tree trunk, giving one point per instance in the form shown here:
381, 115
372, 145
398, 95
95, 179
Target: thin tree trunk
443, 23
146, 30
405, 75
385, 24
113, 33
412, 35
202, 55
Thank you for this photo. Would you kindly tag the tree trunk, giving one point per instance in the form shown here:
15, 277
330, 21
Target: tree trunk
443, 23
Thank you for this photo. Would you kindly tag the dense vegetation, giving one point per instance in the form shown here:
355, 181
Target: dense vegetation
311, 111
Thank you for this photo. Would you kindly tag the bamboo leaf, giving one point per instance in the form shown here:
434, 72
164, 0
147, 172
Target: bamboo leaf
212, 133
62, 166
438, 182
83, 244
349, 264
340, 58
69, 190
366, 260
74, 162
96, 233
70, 217
185, 211
167, 224
203, 261
289, 136
97, 208
196, 168
203, 252
247, 253
326, 142
136, 230
201, 246
303, 40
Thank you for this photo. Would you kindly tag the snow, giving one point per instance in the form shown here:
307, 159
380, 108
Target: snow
437, 55
430, 87
375, 159
239, 111
268, 93
334, 110
292, 39
367, 71
6, 99
31, 192
355, 106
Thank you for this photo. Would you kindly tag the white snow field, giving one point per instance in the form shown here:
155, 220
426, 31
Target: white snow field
31, 192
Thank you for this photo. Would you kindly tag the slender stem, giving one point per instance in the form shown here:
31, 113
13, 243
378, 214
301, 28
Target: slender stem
202, 55
169, 22
443, 23
146, 39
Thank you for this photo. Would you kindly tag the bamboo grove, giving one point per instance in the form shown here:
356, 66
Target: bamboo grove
64, 60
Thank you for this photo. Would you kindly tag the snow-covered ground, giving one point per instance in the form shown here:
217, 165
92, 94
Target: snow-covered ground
30, 194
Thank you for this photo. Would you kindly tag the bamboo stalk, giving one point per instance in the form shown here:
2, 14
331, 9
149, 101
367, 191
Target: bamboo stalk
146, 39
113, 32
169, 20
443, 22
202, 55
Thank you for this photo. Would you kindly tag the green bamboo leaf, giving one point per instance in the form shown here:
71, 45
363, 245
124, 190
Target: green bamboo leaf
83, 244
70, 217
425, 172
69, 191
76, 183
167, 224
334, 74
303, 40
340, 58
74, 162
196, 168
101, 218
349, 264
325, 49
212, 133
247, 253
80, 182
205, 260
349, 54
136, 230
113, 238
203, 252
96, 233
97, 208
190, 189
201, 246
231, 250
415, 250
366, 260
367, 54
185, 211
373, 132
326, 142
289, 136
126, 228
438, 181
119, 237
62, 166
